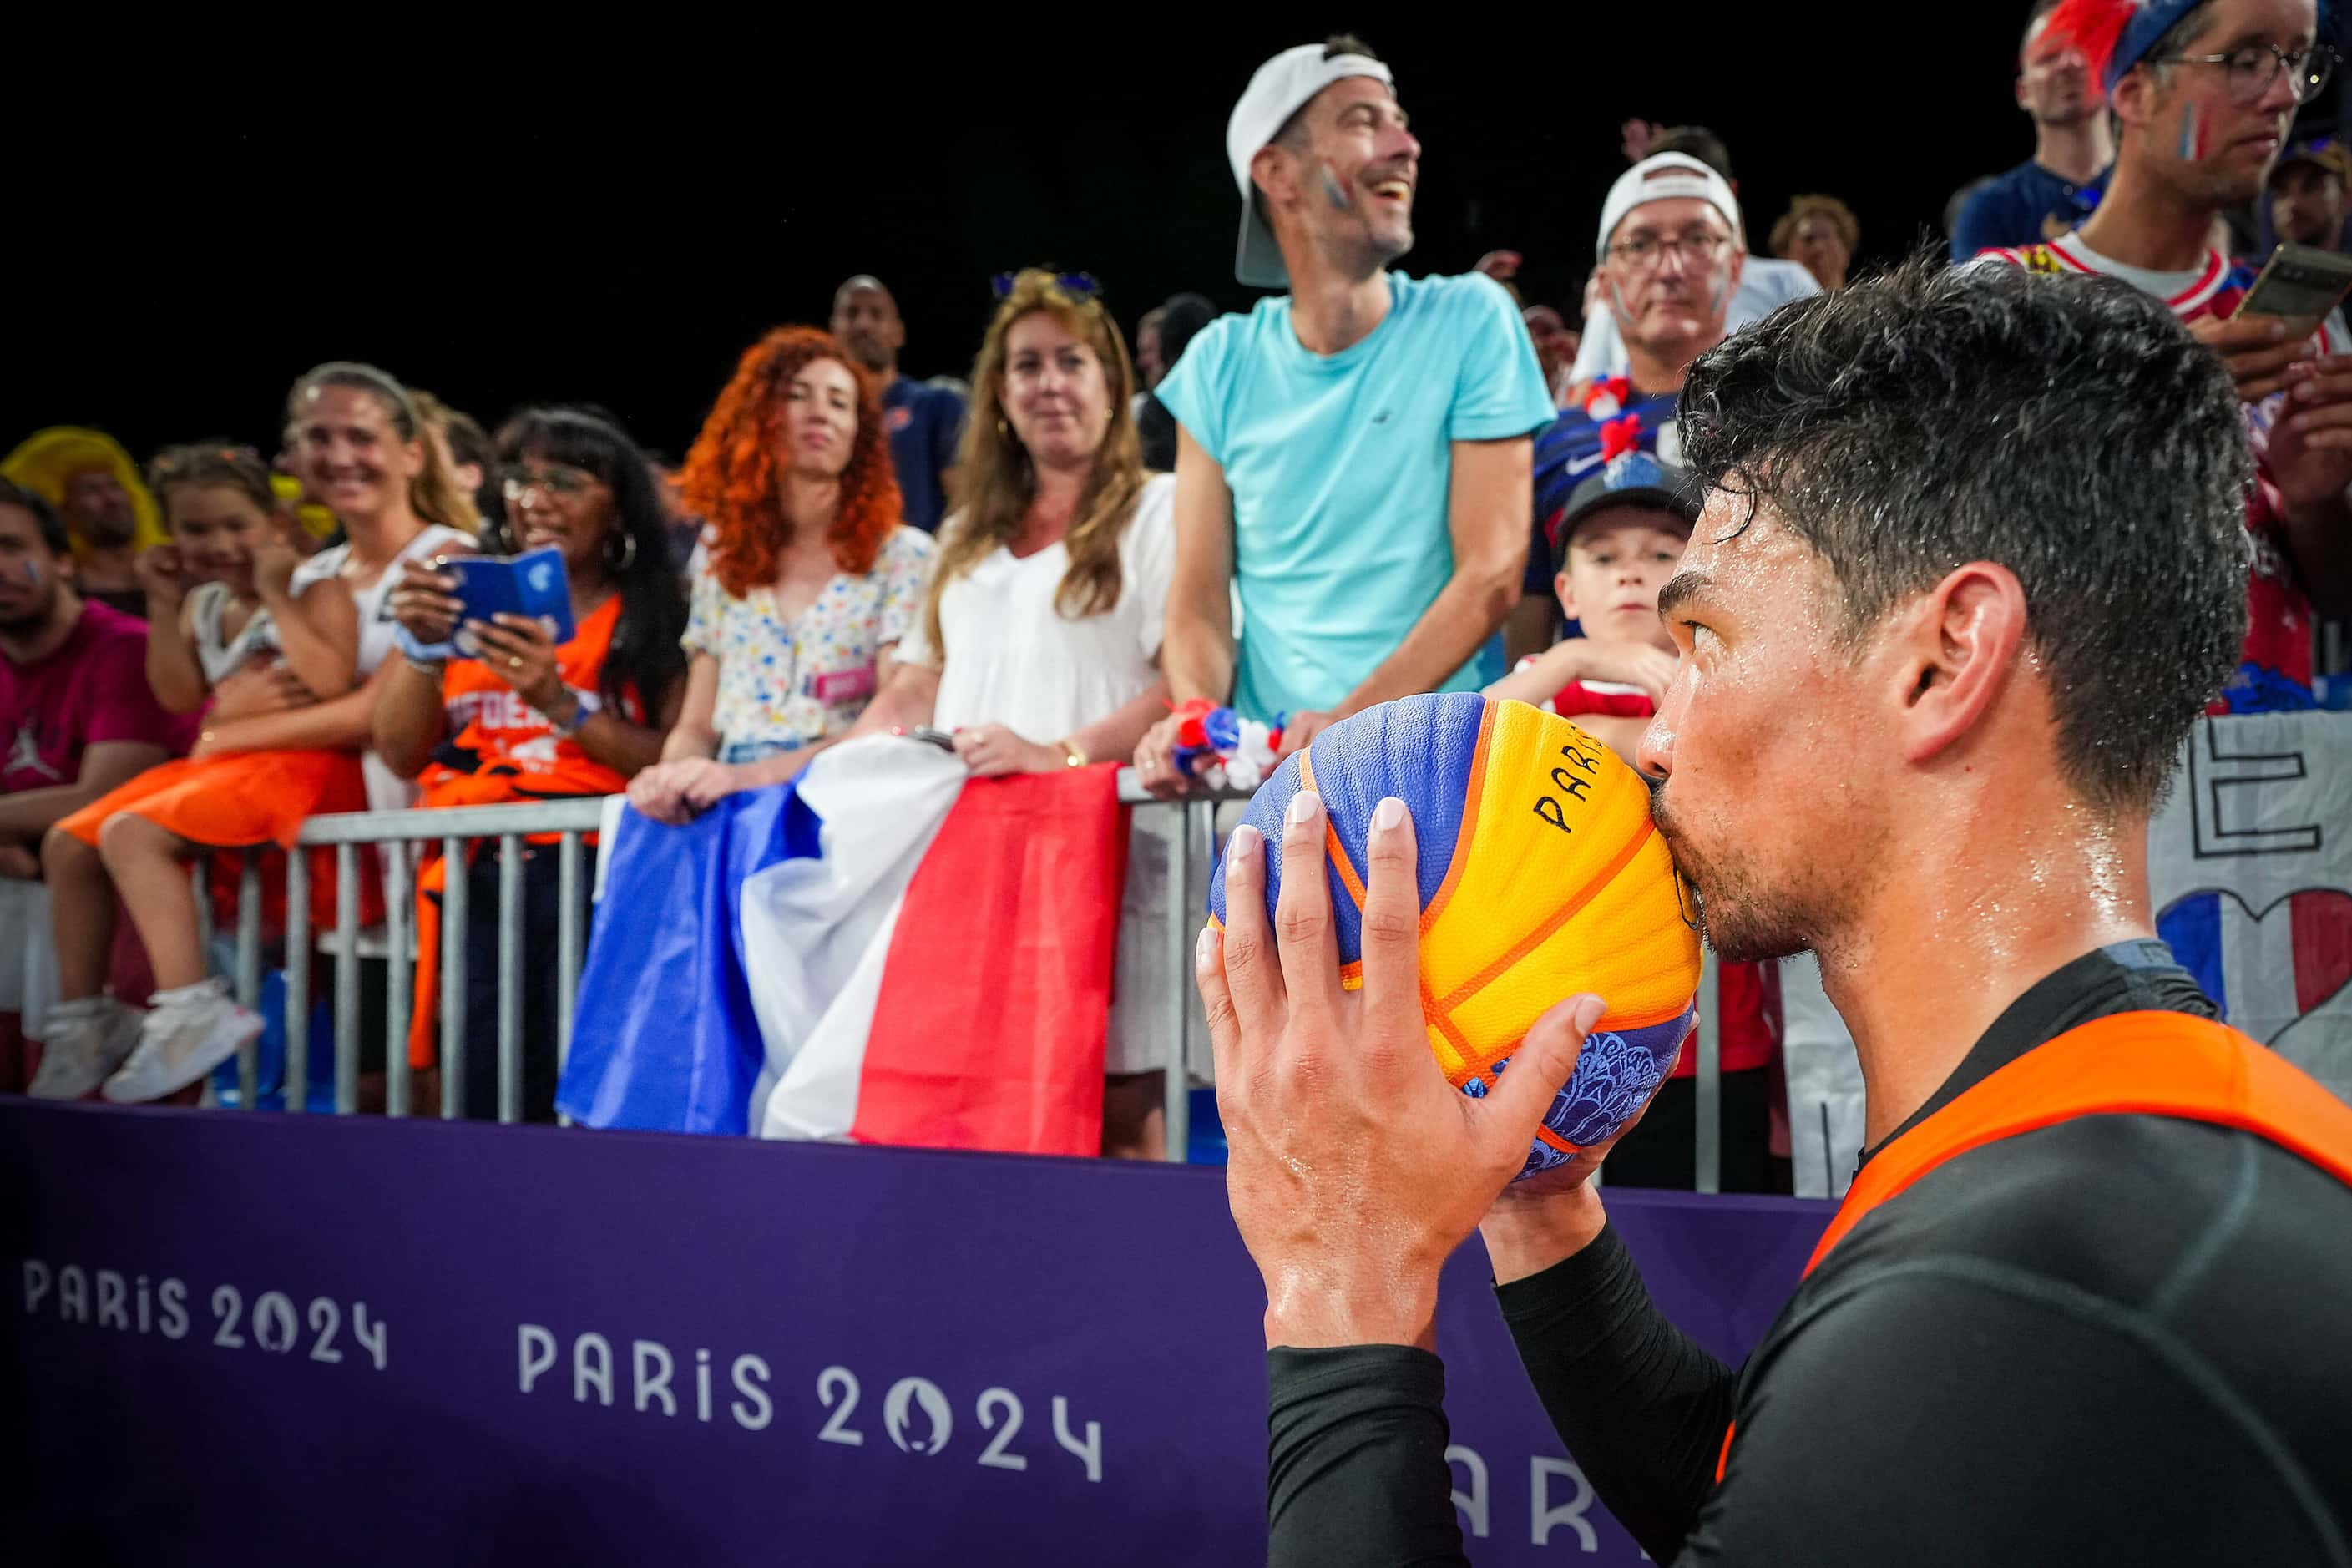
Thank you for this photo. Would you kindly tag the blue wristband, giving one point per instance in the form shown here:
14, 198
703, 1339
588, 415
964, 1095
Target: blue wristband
419, 652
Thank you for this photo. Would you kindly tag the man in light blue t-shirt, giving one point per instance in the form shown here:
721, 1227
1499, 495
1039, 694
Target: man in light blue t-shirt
1353, 458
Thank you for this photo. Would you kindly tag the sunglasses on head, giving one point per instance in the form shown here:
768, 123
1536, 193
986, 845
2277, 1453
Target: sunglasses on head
1079, 285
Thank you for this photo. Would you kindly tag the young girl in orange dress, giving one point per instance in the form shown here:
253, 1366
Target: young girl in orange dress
529, 720
219, 604
286, 736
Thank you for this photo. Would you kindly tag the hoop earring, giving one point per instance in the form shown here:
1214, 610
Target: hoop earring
629, 552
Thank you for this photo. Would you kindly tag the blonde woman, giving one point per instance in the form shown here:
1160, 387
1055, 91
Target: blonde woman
1039, 642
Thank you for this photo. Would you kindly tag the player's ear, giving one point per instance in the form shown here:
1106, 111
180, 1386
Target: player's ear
1955, 651
1566, 590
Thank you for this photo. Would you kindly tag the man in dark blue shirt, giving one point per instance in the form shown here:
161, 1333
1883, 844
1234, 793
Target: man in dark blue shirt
925, 422
2056, 189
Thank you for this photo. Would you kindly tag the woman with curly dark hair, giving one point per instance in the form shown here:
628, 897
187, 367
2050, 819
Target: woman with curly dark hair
528, 718
811, 580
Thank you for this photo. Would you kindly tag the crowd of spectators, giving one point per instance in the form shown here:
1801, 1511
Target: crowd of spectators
1371, 485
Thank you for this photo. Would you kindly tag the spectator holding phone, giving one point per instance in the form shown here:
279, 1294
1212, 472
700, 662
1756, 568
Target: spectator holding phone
812, 579
221, 600
529, 720
1038, 644
2204, 92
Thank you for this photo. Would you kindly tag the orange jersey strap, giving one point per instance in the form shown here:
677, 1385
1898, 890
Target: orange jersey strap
2128, 1064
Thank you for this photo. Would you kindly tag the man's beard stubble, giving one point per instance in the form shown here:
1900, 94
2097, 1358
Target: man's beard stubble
1740, 921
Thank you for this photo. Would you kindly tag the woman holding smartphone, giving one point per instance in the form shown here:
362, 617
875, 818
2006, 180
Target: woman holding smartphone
530, 719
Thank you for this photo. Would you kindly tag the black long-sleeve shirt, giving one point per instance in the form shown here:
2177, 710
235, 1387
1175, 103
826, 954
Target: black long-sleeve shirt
2118, 1338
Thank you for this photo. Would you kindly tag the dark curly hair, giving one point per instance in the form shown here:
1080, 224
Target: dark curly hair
732, 480
2065, 426
646, 659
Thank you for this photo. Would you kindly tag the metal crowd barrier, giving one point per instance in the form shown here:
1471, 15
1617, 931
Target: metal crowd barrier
1191, 851
392, 833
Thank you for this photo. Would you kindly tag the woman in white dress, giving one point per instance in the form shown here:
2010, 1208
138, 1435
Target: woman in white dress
1039, 643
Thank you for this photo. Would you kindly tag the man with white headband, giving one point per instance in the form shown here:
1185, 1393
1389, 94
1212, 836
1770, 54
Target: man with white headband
1353, 456
1766, 283
1668, 264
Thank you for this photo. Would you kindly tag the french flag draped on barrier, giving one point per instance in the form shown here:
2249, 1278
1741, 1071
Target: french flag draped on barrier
884, 951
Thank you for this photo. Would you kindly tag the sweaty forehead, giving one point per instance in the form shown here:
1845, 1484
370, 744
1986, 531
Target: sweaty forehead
1740, 551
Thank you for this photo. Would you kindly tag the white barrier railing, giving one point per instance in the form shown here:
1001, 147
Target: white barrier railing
1191, 852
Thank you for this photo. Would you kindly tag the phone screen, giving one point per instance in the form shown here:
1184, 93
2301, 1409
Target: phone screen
2300, 284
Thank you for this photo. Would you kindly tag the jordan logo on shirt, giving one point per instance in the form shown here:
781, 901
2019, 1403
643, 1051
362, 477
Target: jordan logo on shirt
24, 756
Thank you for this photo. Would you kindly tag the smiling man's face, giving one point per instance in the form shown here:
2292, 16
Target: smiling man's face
1354, 172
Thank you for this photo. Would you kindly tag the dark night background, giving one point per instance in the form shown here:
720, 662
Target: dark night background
613, 219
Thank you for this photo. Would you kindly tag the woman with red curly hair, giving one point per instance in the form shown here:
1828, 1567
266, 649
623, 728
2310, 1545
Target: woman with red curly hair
811, 580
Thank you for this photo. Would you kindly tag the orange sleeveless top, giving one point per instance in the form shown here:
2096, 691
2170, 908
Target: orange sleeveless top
2129, 1064
521, 756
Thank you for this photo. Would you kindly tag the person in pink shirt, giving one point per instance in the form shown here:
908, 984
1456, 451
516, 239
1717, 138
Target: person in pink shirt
77, 719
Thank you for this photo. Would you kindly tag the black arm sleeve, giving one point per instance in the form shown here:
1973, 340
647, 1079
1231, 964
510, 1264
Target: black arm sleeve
1356, 1459
1642, 1409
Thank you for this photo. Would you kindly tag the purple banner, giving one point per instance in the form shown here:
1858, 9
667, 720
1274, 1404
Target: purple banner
266, 1340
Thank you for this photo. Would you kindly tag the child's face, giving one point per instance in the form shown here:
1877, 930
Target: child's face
1617, 562
216, 527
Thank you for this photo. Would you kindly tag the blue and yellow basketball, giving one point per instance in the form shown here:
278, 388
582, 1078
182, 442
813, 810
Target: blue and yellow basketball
1541, 876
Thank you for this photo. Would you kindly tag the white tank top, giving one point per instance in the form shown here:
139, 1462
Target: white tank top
387, 790
207, 603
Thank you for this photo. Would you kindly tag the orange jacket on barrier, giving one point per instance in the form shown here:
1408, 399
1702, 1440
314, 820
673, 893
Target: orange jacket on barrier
2128, 1064
519, 757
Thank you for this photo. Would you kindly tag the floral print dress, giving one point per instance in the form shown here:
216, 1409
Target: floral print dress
784, 684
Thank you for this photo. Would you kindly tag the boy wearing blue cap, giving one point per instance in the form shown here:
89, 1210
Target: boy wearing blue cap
1614, 546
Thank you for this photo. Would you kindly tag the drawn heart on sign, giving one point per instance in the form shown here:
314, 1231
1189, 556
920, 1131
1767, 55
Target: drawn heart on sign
2314, 925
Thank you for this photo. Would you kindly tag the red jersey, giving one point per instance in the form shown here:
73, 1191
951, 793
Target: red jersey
91, 690
1748, 996
2274, 668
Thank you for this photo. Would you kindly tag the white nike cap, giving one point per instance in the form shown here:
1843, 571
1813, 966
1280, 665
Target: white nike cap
1275, 93
1663, 178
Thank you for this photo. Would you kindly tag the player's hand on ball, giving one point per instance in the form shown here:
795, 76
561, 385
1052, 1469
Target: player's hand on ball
1356, 1168
1551, 1214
